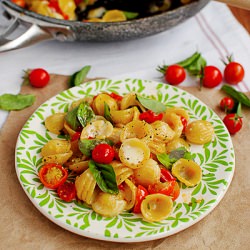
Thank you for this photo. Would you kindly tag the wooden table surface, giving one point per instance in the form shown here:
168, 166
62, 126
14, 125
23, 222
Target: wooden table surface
243, 16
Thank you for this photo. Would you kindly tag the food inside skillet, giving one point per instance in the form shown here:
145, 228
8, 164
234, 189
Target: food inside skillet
100, 10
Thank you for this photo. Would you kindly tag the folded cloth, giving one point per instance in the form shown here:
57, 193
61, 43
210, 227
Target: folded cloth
214, 32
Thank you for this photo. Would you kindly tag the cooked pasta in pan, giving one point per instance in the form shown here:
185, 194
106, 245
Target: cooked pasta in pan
125, 155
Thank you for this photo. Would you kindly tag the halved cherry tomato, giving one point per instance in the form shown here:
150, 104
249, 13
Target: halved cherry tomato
211, 77
115, 96
234, 73
149, 116
53, 175
103, 153
233, 123
39, 78
166, 175
175, 74
67, 191
227, 104
141, 193
20, 3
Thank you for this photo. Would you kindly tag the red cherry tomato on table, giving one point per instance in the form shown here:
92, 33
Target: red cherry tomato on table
149, 116
103, 153
234, 73
67, 191
233, 123
53, 175
211, 77
141, 193
39, 78
175, 74
227, 104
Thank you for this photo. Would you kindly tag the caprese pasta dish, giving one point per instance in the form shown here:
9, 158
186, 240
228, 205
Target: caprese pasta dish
127, 153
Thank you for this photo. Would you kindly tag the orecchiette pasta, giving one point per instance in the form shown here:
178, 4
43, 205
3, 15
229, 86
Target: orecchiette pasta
128, 172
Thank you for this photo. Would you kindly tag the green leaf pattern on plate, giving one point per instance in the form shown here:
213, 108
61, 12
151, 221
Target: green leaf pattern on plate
216, 159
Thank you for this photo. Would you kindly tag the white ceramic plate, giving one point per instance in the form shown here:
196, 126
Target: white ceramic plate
216, 159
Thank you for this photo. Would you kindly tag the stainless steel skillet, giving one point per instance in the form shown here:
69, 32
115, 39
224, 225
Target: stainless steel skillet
39, 28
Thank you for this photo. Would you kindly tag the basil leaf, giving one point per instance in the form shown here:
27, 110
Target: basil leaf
169, 159
190, 60
85, 113
151, 104
87, 145
16, 102
107, 114
196, 67
105, 177
237, 95
72, 120
78, 77
130, 15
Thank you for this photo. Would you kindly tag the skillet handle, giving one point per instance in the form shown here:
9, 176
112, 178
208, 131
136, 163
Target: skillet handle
33, 35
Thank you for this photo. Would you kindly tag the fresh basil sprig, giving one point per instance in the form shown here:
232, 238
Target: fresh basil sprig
151, 104
78, 77
105, 177
16, 102
168, 160
237, 95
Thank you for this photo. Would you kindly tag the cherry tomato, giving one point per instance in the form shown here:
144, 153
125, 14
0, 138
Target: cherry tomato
75, 136
141, 193
166, 175
20, 3
175, 74
53, 175
39, 78
67, 191
184, 123
103, 153
234, 73
149, 116
227, 104
233, 123
115, 96
211, 77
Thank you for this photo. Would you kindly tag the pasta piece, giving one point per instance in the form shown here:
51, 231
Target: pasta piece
68, 129
122, 172
162, 131
137, 129
133, 151
99, 102
199, 132
187, 171
55, 146
55, 123
122, 116
174, 121
157, 147
177, 143
129, 192
75, 104
99, 129
109, 205
57, 158
178, 111
136, 113
115, 136
130, 100
148, 173
156, 207
78, 167
85, 187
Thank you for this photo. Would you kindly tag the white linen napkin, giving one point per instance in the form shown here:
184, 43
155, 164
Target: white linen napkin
214, 32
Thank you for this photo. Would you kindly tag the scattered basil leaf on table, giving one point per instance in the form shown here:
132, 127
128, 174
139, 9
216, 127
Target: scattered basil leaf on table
16, 102
78, 77
151, 104
237, 95
105, 177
